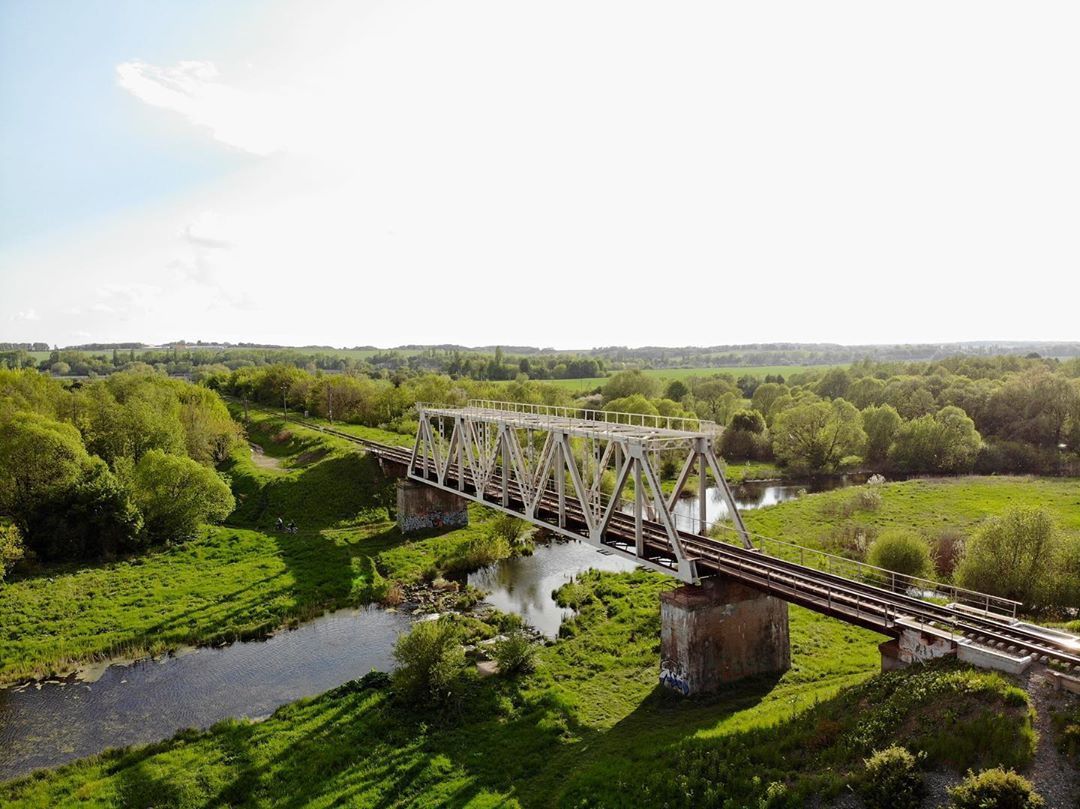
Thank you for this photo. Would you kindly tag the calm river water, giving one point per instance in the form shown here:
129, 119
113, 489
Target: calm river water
46, 724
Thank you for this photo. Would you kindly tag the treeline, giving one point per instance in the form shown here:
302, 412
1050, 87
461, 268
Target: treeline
110, 466
197, 363
987, 415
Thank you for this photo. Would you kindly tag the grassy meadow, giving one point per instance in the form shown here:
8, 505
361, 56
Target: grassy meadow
589, 728
238, 580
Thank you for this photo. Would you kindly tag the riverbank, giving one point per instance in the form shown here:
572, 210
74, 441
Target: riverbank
589, 727
239, 581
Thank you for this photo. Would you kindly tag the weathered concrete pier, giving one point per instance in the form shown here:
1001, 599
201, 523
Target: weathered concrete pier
718, 632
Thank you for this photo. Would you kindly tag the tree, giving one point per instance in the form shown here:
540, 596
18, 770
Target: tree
880, 425
95, 517
901, 551
834, 385
866, 391
628, 383
1012, 556
944, 442
744, 436
176, 494
39, 459
635, 403
816, 436
766, 394
748, 383
676, 390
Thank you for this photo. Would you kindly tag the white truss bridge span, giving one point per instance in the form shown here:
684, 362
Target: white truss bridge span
587, 465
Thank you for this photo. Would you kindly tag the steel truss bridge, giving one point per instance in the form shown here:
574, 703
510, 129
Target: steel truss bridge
567, 470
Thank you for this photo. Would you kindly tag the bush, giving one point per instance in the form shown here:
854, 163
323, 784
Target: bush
947, 550
1012, 556
11, 548
892, 780
902, 552
995, 789
429, 659
515, 654
176, 494
510, 528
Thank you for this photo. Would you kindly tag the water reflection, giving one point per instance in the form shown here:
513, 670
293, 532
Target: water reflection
46, 724
524, 585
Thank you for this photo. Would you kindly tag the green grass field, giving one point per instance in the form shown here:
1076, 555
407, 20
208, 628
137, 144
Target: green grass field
590, 728
234, 581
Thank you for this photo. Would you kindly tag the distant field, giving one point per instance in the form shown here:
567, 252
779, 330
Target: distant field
682, 373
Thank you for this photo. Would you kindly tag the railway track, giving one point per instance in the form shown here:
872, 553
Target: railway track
863, 604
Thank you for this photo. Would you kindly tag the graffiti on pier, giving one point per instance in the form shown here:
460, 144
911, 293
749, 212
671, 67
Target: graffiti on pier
432, 519
672, 676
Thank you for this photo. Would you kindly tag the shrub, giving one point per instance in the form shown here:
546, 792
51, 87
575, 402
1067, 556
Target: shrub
892, 780
1012, 556
429, 659
851, 539
515, 654
995, 789
11, 548
867, 499
510, 528
176, 494
902, 552
947, 550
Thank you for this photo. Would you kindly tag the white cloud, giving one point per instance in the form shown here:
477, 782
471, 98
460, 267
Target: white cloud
245, 120
27, 314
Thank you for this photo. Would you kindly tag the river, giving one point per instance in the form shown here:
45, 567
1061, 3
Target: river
45, 724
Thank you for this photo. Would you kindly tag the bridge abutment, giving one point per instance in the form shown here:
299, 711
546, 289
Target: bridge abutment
719, 632
421, 507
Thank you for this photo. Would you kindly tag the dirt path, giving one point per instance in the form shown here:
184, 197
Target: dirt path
1054, 776
262, 460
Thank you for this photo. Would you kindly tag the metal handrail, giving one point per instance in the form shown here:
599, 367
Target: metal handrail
645, 420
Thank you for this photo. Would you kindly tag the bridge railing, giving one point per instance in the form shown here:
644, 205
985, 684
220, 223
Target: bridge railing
871, 574
644, 420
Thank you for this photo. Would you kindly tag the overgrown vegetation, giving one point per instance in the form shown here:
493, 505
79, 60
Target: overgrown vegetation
589, 728
112, 466
995, 789
891, 780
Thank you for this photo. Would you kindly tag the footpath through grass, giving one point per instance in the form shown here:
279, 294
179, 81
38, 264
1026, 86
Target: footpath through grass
589, 728
235, 581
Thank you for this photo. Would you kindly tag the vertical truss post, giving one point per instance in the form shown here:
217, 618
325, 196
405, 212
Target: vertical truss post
560, 482
459, 431
639, 508
729, 498
702, 487
504, 443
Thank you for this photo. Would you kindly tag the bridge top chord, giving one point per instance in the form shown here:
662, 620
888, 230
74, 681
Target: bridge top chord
582, 422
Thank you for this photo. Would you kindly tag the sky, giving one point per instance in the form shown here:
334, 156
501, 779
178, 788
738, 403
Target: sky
565, 174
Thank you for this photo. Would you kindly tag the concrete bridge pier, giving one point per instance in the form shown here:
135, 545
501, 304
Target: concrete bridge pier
421, 507
719, 632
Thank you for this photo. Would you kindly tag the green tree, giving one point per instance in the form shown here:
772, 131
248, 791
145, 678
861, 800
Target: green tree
834, 385
629, 383
1012, 556
766, 394
880, 425
944, 442
39, 459
635, 403
817, 436
93, 518
744, 436
676, 390
176, 494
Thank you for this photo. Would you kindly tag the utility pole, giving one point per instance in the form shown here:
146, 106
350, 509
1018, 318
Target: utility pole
330, 403
285, 402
